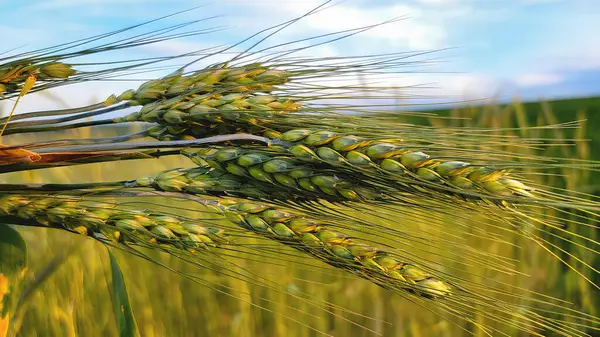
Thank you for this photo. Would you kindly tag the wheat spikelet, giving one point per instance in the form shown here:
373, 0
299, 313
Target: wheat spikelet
327, 168
108, 223
256, 84
334, 248
198, 115
219, 79
206, 180
318, 239
14, 74
396, 160
280, 169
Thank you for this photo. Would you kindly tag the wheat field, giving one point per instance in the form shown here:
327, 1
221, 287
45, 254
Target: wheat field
73, 300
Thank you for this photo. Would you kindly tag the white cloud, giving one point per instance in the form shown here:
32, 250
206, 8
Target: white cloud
538, 79
473, 86
413, 32
420, 30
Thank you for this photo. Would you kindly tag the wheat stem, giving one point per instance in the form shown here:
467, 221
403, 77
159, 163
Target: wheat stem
23, 125
47, 113
158, 145
66, 159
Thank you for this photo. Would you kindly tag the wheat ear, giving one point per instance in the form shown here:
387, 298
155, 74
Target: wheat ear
309, 236
105, 222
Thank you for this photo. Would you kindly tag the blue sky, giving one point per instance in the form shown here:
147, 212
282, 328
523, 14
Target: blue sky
529, 48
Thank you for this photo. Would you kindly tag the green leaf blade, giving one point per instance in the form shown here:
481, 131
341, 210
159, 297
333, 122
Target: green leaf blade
125, 320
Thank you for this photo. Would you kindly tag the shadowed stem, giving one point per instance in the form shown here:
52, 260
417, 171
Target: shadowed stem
58, 127
81, 112
161, 144
46, 113
151, 154
78, 141
54, 121
57, 187
78, 154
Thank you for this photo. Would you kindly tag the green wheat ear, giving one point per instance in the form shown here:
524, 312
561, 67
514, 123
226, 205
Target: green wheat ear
146, 228
13, 75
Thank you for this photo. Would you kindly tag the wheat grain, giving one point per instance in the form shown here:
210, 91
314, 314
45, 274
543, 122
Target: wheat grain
331, 170
206, 180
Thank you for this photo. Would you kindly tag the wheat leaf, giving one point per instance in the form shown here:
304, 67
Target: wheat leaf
126, 324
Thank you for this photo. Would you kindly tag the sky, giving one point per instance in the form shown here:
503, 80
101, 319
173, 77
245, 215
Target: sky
487, 48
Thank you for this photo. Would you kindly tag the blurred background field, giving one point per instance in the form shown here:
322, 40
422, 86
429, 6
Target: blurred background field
73, 299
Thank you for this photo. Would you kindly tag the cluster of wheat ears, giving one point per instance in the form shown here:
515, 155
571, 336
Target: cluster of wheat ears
294, 150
